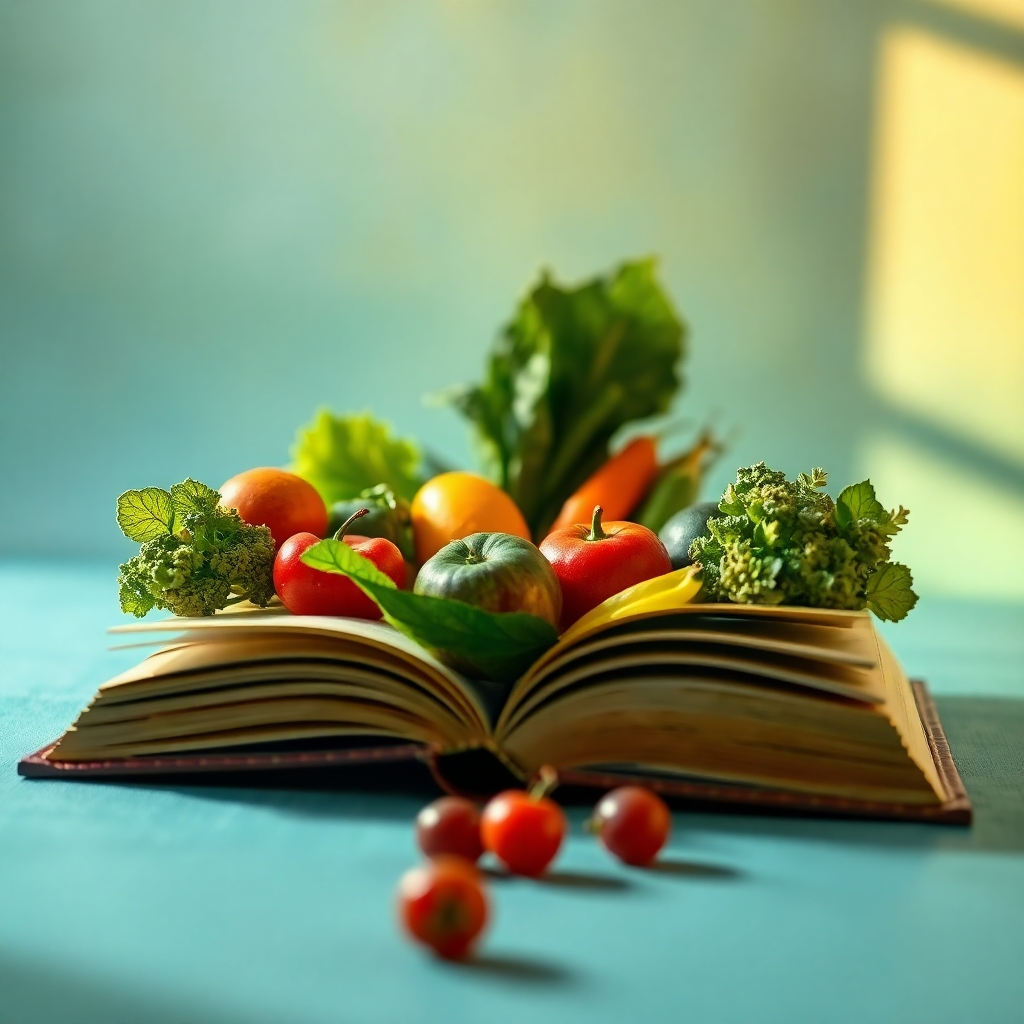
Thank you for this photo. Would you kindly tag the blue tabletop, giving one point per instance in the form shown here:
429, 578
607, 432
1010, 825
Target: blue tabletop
167, 904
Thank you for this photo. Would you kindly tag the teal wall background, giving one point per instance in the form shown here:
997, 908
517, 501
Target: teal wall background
215, 218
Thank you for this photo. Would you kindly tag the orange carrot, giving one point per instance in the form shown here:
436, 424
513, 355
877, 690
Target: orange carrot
618, 486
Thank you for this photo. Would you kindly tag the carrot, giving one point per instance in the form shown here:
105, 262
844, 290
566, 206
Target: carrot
618, 486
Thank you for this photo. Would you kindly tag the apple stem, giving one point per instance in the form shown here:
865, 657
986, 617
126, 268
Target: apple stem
348, 522
596, 533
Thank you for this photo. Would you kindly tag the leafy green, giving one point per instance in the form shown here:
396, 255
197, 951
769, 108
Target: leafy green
498, 646
343, 455
196, 557
889, 591
143, 515
779, 541
572, 367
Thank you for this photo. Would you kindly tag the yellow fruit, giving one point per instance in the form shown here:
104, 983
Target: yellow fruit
454, 505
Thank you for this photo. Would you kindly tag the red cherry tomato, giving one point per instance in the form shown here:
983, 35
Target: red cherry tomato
443, 905
450, 825
593, 563
523, 831
307, 591
275, 498
633, 824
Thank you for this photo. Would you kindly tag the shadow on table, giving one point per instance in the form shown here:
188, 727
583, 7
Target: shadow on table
516, 969
34, 994
986, 736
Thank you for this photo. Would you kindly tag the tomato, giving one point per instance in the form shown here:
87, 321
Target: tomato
593, 563
523, 831
450, 825
274, 498
443, 905
632, 823
307, 591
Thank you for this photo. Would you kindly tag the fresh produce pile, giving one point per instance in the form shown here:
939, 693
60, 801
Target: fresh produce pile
443, 903
498, 566
484, 570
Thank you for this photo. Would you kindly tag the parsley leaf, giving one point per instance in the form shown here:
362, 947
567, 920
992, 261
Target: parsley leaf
858, 501
146, 514
889, 591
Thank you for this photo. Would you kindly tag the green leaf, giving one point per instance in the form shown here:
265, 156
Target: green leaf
889, 591
134, 600
336, 556
343, 455
145, 514
572, 367
190, 496
497, 646
858, 501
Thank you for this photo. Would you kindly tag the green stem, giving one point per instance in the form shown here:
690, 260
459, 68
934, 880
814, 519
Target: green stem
348, 522
596, 533
547, 780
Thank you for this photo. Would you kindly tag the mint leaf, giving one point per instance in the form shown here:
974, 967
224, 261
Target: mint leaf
190, 496
889, 591
858, 501
498, 646
146, 514
343, 455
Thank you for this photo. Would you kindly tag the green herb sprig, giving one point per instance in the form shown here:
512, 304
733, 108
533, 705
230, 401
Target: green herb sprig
196, 557
787, 542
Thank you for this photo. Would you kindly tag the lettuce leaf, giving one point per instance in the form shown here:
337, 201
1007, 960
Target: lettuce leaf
343, 455
572, 367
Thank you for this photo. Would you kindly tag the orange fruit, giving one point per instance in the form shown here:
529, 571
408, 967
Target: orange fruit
454, 505
275, 498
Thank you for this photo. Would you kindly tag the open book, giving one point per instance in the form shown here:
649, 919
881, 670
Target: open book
781, 707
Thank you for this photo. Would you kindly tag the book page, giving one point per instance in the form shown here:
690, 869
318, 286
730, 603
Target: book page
373, 639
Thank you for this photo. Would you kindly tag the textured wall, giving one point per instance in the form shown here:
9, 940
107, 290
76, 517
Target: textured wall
215, 218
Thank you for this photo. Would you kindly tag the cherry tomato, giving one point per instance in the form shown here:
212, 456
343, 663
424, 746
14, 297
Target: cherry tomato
523, 831
450, 825
442, 904
307, 591
633, 824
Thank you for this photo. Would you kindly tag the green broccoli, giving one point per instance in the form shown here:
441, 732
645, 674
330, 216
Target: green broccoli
783, 542
196, 557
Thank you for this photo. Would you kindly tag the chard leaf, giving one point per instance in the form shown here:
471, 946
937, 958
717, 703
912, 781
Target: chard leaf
498, 646
343, 455
145, 514
190, 496
858, 501
889, 591
572, 367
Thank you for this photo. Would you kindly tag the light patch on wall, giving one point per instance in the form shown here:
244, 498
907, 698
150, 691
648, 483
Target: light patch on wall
965, 536
1011, 12
946, 274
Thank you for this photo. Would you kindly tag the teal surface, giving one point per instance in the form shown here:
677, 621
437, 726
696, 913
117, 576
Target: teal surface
127, 903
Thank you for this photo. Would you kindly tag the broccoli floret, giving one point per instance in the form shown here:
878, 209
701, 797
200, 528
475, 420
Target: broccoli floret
779, 541
195, 557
